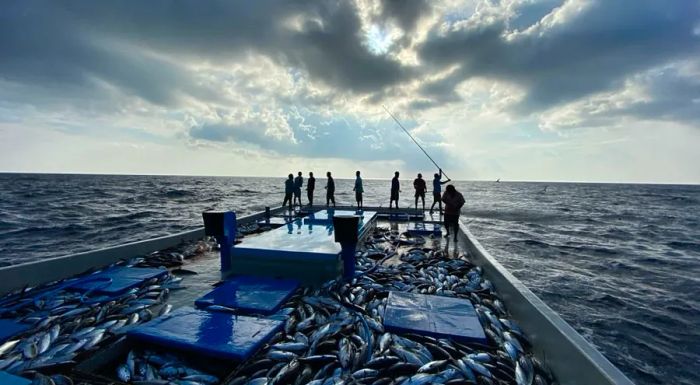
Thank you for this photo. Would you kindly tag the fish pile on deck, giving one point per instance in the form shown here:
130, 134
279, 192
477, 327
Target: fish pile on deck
151, 368
175, 256
65, 323
335, 334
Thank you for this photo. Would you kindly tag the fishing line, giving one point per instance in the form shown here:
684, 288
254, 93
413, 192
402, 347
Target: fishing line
413, 139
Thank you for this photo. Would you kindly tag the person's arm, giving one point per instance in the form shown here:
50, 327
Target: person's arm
447, 181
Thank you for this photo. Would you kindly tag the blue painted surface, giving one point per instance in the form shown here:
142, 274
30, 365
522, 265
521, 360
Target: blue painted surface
10, 328
214, 334
433, 316
422, 228
325, 217
308, 238
275, 221
250, 294
117, 279
10, 379
296, 239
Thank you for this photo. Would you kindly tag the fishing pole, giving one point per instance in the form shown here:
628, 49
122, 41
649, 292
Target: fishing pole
413, 139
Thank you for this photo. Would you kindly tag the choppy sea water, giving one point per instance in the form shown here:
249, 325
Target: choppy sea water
620, 263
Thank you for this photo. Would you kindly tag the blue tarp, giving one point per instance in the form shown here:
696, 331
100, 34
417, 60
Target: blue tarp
250, 294
422, 228
434, 316
214, 334
10, 328
117, 279
9, 379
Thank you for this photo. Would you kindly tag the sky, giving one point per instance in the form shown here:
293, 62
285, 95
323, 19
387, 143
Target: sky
576, 90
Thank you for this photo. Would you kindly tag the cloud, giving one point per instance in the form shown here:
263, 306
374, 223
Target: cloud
669, 93
580, 48
307, 79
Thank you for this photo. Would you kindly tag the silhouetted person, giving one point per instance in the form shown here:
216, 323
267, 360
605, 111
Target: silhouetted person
298, 182
310, 186
437, 191
453, 204
288, 190
419, 185
358, 190
395, 190
330, 189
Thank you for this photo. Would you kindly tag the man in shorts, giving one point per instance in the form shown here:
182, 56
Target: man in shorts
419, 185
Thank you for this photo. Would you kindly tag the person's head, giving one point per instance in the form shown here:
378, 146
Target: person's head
299, 173
437, 176
450, 189
311, 174
328, 174
396, 174
420, 176
291, 176
357, 173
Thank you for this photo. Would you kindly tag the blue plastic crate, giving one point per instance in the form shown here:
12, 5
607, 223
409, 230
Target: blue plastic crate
431, 315
10, 328
10, 379
422, 228
117, 280
213, 334
259, 295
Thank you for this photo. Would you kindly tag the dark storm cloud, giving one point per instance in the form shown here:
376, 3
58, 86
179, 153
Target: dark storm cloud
52, 52
406, 13
134, 45
588, 53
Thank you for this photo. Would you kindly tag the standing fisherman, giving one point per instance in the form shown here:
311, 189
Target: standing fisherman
298, 182
288, 190
330, 189
358, 190
395, 190
419, 185
437, 190
453, 204
310, 186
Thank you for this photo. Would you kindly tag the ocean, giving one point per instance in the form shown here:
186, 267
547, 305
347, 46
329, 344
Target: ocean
619, 262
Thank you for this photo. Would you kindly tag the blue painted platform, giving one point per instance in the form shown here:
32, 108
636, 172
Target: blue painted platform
275, 222
259, 295
435, 316
117, 280
422, 228
325, 217
213, 334
10, 379
10, 328
310, 238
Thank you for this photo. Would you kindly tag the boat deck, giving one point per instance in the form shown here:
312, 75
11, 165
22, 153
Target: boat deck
425, 264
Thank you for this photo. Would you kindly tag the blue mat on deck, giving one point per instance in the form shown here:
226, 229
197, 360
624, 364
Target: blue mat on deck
10, 328
214, 334
250, 294
10, 379
117, 279
433, 316
422, 228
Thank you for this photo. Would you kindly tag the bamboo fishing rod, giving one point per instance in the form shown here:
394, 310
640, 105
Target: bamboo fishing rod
413, 139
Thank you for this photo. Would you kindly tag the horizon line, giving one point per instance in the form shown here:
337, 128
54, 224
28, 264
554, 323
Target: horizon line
282, 176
